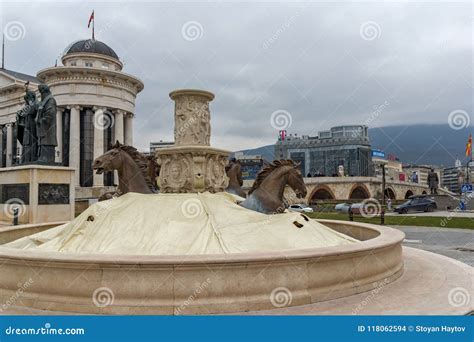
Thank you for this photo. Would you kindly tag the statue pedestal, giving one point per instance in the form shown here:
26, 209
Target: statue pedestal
191, 165
42, 193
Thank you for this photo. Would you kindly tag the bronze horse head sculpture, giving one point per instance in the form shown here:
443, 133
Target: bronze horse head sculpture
266, 194
131, 165
234, 172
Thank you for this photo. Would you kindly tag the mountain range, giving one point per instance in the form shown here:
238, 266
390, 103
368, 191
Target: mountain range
420, 144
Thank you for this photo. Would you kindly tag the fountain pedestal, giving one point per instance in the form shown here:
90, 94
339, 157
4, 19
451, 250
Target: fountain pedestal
192, 165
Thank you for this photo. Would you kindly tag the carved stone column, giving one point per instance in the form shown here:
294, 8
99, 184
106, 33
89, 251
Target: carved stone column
192, 117
192, 165
10, 154
99, 121
75, 142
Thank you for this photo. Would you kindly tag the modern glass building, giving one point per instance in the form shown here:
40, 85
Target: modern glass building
322, 155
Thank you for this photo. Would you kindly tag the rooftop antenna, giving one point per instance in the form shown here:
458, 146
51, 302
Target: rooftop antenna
3, 51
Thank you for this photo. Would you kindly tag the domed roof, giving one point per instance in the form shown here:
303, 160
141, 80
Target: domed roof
91, 46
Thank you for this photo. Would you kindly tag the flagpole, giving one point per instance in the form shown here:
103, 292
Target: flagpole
93, 24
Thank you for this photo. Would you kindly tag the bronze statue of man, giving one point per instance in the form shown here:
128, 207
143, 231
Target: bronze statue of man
46, 125
26, 134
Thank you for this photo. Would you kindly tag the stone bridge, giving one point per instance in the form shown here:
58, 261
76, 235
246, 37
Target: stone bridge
355, 188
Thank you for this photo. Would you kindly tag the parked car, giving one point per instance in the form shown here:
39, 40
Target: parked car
300, 208
356, 208
416, 203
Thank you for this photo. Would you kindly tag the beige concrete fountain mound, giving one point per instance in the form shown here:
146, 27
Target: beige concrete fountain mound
180, 224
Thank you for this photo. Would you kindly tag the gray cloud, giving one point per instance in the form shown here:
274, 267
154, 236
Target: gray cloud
309, 59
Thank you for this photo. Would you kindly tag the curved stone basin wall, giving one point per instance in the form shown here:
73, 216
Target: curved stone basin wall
114, 284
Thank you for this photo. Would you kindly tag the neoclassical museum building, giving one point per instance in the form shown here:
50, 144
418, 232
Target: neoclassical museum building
96, 106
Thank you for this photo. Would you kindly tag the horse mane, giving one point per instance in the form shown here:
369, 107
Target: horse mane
139, 158
268, 169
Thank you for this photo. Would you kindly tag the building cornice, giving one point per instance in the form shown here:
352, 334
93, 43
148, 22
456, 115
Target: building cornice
74, 74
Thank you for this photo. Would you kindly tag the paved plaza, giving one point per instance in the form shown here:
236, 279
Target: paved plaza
454, 243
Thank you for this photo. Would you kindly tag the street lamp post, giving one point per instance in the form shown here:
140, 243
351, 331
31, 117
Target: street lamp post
383, 184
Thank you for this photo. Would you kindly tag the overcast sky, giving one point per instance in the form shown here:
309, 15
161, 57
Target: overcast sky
311, 65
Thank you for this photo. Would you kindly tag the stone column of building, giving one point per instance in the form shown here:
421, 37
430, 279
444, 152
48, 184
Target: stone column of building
99, 127
1, 146
59, 135
118, 126
75, 142
119, 134
128, 129
9, 151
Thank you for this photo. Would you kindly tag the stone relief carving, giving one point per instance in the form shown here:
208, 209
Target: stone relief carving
175, 175
216, 177
192, 126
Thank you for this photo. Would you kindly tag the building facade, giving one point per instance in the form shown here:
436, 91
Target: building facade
344, 148
453, 177
251, 164
96, 106
160, 144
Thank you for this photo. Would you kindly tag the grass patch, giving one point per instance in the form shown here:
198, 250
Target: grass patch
402, 220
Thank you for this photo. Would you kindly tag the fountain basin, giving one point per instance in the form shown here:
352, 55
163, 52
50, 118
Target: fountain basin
198, 284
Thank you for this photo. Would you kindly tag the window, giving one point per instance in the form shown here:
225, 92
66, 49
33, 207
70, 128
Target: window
89, 64
105, 66
73, 63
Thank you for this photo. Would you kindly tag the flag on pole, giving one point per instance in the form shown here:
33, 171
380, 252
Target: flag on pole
469, 146
91, 18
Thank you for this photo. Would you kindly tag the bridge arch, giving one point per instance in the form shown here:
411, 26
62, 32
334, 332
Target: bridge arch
408, 194
359, 191
321, 192
390, 193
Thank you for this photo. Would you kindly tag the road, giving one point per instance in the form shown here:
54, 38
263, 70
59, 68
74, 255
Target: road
454, 243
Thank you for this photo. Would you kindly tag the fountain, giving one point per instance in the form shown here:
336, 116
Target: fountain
191, 249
